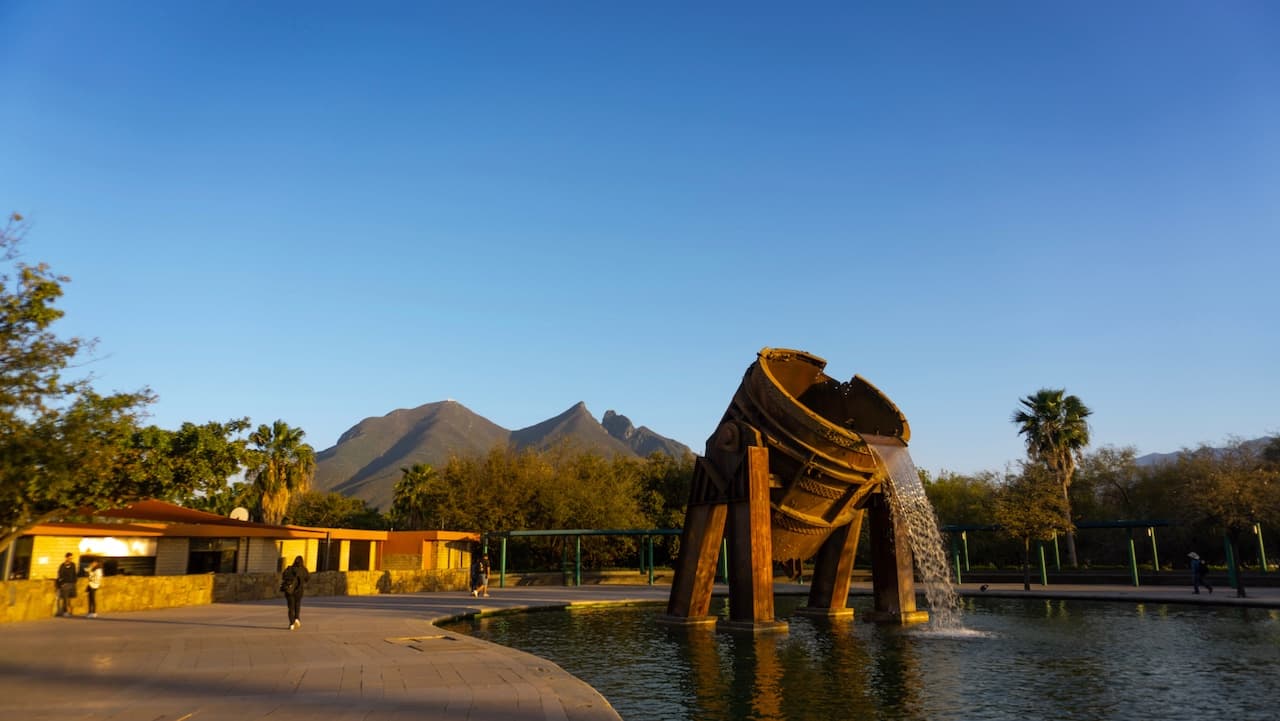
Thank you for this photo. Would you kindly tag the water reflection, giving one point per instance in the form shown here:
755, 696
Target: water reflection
1021, 659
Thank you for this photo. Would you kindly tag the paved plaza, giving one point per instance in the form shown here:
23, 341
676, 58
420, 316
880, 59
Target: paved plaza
355, 657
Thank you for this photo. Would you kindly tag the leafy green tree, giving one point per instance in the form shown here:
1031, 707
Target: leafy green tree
332, 510
1030, 507
63, 446
226, 498
557, 488
195, 460
279, 464
665, 483
962, 500
1054, 426
1230, 490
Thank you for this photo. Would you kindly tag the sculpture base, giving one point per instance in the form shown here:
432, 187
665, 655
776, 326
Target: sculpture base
725, 624
687, 621
901, 618
834, 614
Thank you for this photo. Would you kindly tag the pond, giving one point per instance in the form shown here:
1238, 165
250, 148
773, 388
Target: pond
1015, 659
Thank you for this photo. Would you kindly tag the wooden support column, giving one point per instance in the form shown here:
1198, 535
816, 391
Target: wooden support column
892, 582
751, 548
833, 570
695, 571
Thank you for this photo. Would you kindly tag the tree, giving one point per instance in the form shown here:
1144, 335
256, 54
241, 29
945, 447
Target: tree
1230, 490
962, 500
63, 446
196, 460
1030, 507
1108, 484
332, 510
1054, 427
279, 464
226, 498
420, 499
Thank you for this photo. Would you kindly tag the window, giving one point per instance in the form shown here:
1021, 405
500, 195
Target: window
358, 556
213, 555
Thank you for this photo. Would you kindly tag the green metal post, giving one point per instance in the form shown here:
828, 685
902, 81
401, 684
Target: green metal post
964, 540
955, 554
502, 565
1044, 570
1057, 557
577, 562
1155, 552
649, 543
1262, 549
1133, 560
1231, 562
724, 561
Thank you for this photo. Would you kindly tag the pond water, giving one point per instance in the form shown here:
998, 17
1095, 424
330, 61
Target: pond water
1014, 659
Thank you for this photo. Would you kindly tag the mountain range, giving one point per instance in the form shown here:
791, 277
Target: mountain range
365, 463
1151, 459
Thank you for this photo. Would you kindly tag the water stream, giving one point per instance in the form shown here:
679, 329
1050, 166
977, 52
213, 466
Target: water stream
911, 506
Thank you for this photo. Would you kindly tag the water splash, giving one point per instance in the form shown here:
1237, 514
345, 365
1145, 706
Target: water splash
911, 506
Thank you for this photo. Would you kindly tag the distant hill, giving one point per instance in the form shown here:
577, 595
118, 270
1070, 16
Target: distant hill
1152, 459
365, 463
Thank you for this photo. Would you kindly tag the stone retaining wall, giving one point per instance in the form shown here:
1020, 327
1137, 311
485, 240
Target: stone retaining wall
31, 600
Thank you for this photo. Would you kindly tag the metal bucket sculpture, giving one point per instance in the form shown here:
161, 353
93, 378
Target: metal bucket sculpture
788, 476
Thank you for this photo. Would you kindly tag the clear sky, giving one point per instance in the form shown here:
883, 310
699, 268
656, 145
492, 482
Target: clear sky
322, 212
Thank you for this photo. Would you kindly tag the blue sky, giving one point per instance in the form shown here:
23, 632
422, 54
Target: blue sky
325, 212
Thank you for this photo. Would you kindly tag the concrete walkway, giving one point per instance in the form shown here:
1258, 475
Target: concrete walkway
355, 657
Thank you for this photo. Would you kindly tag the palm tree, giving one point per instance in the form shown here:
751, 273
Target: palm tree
280, 464
1056, 434
420, 497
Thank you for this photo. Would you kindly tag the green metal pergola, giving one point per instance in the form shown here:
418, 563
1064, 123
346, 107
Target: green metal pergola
646, 550
961, 533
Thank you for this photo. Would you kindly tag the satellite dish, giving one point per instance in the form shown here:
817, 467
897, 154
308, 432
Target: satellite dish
240, 513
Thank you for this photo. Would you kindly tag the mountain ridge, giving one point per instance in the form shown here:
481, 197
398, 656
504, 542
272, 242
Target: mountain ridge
1151, 459
365, 463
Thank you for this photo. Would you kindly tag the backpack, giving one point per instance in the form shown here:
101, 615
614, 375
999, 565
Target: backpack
289, 582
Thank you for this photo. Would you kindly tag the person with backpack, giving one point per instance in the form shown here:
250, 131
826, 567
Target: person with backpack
1199, 573
291, 585
480, 575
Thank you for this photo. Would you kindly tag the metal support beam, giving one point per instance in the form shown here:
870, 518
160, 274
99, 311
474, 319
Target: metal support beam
1262, 549
1133, 560
502, 565
1155, 552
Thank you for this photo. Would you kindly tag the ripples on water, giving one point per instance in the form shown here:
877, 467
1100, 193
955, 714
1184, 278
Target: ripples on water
1016, 659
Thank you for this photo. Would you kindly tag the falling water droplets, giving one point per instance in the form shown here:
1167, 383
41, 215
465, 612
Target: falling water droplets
911, 506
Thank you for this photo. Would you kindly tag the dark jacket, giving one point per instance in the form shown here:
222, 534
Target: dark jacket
293, 580
66, 582
67, 573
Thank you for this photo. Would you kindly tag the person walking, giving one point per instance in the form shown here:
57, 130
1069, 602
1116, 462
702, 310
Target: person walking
66, 585
291, 584
480, 575
95, 582
1199, 573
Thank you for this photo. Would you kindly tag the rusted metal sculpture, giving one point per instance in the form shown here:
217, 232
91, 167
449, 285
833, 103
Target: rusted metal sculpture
789, 475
